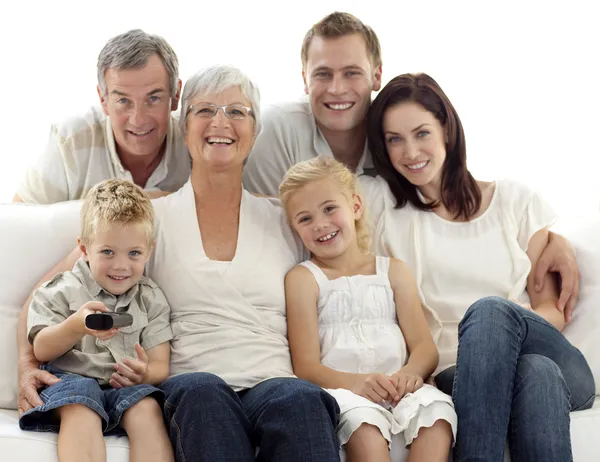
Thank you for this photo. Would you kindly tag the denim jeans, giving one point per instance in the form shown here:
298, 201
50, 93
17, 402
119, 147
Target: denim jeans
517, 377
287, 418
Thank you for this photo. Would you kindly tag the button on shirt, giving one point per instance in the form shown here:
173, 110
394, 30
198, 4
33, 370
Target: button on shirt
62, 296
81, 152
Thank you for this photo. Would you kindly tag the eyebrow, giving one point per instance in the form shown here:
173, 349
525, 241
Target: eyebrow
390, 132
153, 92
320, 205
345, 68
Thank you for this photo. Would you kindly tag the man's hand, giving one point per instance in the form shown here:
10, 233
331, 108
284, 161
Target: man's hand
559, 257
31, 379
132, 371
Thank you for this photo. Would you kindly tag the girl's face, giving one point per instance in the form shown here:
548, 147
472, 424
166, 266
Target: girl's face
416, 144
324, 216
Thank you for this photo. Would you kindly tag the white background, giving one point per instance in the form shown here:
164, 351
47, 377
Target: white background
523, 75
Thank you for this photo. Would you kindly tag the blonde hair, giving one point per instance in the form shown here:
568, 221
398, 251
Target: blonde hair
319, 169
116, 202
339, 24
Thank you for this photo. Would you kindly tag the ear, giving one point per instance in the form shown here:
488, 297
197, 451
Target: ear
305, 82
377, 78
102, 100
83, 249
357, 206
175, 99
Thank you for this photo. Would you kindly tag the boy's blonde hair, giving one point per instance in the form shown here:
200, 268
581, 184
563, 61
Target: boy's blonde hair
116, 202
338, 24
319, 169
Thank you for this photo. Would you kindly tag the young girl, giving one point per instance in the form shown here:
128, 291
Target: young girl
472, 245
353, 319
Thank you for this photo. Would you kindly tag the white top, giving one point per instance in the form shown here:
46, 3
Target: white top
289, 135
456, 264
358, 326
230, 323
81, 152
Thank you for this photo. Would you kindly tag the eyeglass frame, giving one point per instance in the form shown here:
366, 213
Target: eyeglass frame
249, 109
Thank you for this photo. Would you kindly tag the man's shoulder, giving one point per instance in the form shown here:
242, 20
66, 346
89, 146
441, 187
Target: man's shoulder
89, 122
295, 114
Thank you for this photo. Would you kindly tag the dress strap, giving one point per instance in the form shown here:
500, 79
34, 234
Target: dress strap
318, 274
382, 265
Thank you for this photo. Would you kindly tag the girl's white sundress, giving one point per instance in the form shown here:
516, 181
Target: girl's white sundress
359, 333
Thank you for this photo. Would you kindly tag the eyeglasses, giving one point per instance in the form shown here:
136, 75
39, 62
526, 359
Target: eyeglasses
231, 111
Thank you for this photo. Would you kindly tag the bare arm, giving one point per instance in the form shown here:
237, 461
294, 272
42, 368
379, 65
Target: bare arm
544, 301
17, 199
423, 355
31, 378
158, 364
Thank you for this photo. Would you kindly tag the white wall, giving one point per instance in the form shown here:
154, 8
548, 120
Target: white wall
522, 74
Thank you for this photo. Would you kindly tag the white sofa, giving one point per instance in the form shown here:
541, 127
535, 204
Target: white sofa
34, 238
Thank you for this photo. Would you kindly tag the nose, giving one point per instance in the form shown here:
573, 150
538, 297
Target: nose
138, 115
412, 150
321, 224
120, 262
219, 119
338, 85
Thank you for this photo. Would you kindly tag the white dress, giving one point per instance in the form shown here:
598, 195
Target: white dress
359, 333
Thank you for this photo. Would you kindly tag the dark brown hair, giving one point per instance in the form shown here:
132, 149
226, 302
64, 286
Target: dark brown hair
460, 193
338, 24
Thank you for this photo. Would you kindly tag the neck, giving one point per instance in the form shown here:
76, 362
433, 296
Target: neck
141, 167
217, 187
347, 146
348, 263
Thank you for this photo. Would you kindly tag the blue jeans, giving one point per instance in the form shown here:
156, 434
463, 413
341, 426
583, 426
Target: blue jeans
288, 419
517, 377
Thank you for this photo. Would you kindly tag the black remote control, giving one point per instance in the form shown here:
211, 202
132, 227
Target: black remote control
106, 321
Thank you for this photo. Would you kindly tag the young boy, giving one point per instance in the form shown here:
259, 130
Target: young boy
102, 388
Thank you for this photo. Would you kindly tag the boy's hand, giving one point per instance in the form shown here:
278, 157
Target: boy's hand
91, 308
132, 371
378, 388
406, 382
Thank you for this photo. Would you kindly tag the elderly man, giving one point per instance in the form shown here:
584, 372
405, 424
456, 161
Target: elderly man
132, 136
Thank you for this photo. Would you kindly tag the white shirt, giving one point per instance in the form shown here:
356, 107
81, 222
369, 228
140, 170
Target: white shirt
458, 263
289, 135
227, 319
81, 152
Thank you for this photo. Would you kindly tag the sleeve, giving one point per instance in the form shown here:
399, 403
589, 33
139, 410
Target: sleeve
48, 307
45, 181
538, 214
271, 156
158, 329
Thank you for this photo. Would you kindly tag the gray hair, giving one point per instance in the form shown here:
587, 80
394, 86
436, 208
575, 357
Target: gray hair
132, 50
217, 79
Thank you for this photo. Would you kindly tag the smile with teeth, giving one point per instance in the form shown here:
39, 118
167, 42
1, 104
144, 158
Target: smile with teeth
339, 106
139, 133
118, 278
327, 237
418, 166
218, 140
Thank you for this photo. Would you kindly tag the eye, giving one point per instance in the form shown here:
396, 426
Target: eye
393, 139
352, 73
107, 252
135, 253
321, 74
123, 101
329, 209
422, 133
203, 110
304, 219
154, 99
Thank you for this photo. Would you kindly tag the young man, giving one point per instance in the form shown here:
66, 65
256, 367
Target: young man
341, 67
132, 136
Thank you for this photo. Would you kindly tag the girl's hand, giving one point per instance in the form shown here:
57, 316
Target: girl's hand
406, 382
375, 387
132, 371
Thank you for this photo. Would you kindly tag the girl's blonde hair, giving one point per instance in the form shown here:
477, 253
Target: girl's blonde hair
116, 202
322, 168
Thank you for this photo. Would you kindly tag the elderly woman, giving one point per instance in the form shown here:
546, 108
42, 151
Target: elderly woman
220, 258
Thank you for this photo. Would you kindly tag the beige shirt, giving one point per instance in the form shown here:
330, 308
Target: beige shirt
81, 152
289, 135
62, 296
228, 319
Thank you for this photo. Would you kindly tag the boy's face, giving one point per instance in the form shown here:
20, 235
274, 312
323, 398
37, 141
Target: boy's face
339, 79
117, 256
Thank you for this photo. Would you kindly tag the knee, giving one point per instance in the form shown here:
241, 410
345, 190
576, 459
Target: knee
144, 410
541, 376
78, 414
307, 396
194, 389
488, 312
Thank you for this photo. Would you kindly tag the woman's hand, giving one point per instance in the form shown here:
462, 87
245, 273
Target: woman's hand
375, 387
132, 371
32, 379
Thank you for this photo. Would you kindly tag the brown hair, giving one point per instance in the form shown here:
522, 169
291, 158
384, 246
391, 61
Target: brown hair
338, 24
319, 169
460, 193
116, 202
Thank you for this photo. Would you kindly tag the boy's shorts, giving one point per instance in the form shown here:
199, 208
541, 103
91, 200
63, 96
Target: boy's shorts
108, 402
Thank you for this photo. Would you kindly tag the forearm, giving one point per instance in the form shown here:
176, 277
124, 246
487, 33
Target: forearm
157, 372
54, 341
422, 360
326, 377
24, 348
550, 313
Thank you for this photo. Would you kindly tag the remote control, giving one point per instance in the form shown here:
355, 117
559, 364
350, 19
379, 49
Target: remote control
106, 321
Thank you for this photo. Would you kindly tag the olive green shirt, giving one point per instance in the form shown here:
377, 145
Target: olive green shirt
62, 296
